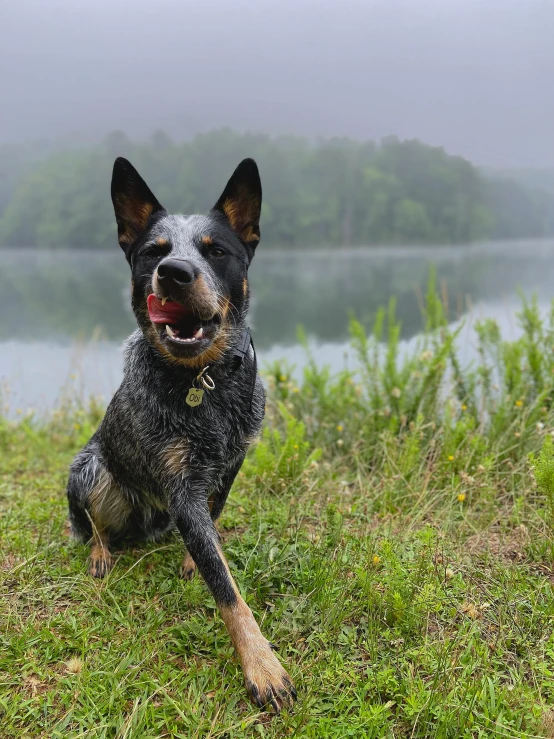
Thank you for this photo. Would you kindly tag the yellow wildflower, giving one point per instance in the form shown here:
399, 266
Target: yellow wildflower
461, 497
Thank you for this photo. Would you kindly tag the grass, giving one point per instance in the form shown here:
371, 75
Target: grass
392, 532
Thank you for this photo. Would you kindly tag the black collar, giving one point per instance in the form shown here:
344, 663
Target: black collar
239, 353
241, 350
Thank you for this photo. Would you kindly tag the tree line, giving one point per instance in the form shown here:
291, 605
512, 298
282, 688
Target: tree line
329, 192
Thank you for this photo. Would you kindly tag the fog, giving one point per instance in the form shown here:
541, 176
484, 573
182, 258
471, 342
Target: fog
474, 77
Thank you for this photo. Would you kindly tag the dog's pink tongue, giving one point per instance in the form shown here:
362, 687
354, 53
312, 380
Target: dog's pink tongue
169, 313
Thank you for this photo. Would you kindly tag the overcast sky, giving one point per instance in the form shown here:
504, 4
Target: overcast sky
475, 76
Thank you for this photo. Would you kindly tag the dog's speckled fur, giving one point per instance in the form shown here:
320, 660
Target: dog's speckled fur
155, 462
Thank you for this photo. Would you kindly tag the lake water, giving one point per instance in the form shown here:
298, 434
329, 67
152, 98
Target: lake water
64, 316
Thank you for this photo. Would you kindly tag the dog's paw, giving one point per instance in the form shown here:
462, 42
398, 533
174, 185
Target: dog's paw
100, 562
268, 684
188, 568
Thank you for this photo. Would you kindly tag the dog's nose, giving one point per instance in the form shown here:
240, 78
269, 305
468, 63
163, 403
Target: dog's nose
176, 270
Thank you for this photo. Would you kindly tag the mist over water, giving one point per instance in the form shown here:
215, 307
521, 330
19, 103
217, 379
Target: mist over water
66, 314
468, 75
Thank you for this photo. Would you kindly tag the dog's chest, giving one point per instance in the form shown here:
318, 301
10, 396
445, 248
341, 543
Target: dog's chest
209, 436
169, 439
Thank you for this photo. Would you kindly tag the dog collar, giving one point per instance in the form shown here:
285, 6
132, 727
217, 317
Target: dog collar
203, 381
241, 349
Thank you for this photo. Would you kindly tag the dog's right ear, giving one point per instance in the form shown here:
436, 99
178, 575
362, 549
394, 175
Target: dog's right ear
134, 203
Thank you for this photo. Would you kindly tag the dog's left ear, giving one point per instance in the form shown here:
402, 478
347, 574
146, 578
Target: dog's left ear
134, 203
241, 202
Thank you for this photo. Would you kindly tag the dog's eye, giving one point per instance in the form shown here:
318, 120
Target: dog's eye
217, 252
155, 251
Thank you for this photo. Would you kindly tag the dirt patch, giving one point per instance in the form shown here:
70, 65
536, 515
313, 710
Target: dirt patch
9, 561
33, 686
509, 546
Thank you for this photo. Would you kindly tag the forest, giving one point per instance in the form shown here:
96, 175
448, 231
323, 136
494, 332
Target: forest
316, 193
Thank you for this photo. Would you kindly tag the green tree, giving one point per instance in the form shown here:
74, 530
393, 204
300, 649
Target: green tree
335, 191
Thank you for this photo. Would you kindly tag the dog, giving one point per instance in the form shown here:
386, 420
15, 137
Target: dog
176, 432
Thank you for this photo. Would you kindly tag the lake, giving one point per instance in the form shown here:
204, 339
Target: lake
64, 315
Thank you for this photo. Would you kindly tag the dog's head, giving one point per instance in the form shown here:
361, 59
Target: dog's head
189, 273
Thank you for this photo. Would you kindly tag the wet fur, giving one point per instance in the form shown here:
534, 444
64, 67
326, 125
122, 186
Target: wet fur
155, 463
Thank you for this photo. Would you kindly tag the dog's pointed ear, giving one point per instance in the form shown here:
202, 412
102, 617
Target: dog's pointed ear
241, 202
133, 201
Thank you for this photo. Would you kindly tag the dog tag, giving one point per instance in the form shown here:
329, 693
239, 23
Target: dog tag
194, 396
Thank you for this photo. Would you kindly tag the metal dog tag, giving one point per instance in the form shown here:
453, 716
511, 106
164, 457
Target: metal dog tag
194, 396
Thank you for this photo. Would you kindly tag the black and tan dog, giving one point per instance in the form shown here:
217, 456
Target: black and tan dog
176, 431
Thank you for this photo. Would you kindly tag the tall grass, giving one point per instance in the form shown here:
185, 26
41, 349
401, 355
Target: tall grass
422, 419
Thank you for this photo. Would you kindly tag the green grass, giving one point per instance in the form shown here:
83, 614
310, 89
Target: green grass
387, 531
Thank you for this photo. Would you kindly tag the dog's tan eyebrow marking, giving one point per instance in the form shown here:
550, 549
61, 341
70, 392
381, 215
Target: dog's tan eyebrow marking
206, 240
161, 241
245, 286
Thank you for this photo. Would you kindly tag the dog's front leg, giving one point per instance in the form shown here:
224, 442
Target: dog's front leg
216, 502
266, 680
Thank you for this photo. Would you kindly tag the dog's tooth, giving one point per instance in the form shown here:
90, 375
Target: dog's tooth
164, 301
170, 331
199, 334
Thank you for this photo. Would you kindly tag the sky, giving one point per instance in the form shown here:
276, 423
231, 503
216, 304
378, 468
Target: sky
473, 76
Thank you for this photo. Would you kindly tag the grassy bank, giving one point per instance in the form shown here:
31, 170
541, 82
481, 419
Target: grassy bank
388, 532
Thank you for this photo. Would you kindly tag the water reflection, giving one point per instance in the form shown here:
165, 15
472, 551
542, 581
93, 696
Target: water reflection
50, 300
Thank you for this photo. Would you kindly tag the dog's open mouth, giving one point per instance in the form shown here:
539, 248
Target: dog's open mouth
179, 325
